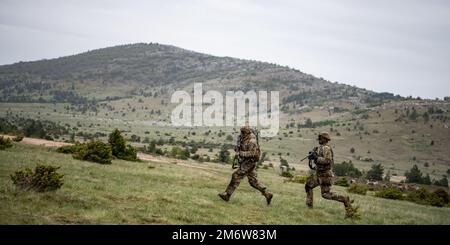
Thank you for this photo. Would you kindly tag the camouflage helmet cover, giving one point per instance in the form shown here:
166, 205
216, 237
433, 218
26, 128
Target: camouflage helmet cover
325, 135
246, 130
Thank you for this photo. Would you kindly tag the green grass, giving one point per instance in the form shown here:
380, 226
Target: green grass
185, 193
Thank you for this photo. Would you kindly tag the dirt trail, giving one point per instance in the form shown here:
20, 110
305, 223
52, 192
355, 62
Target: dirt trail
42, 142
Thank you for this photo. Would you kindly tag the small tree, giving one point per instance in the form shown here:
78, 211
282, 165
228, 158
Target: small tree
224, 154
229, 138
414, 175
442, 182
426, 180
152, 147
346, 169
388, 176
308, 123
119, 147
352, 150
376, 172
284, 162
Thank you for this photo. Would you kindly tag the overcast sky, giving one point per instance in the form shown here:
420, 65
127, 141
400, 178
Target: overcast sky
401, 47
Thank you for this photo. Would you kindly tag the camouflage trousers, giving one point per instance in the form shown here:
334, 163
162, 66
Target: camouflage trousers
246, 168
324, 181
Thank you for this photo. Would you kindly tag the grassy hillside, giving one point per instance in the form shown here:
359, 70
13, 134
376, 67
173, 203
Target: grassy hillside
162, 192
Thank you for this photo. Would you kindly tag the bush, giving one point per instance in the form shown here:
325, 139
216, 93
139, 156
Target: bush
390, 193
5, 143
298, 179
44, 178
18, 138
360, 189
284, 162
287, 174
69, 149
422, 196
180, 153
95, 151
442, 194
342, 182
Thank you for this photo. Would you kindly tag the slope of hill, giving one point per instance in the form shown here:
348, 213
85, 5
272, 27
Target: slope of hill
178, 192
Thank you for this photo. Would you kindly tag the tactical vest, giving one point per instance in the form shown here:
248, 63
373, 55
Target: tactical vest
323, 168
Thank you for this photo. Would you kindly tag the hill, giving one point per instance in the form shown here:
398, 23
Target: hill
146, 69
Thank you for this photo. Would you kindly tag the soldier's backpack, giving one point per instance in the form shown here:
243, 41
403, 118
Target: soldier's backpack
258, 149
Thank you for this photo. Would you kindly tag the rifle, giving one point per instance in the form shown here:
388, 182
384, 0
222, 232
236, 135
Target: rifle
236, 156
309, 156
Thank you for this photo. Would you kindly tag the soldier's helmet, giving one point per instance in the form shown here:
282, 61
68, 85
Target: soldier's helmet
325, 135
246, 130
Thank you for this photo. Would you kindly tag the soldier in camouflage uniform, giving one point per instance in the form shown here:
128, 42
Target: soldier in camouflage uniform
323, 158
248, 153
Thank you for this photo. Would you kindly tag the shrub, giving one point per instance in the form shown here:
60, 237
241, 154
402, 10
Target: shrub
95, 151
422, 196
298, 179
442, 194
69, 149
390, 193
5, 143
360, 189
284, 162
287, 174
180, 153
18, 138
342, 182
44, 178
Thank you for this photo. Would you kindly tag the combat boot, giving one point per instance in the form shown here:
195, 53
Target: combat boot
225, 196
348, 202
351, 211
268, 196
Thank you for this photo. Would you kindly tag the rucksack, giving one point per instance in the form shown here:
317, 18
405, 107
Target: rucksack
258, 149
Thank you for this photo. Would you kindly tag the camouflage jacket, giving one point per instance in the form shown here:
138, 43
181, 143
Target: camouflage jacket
249, 148
325, 158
